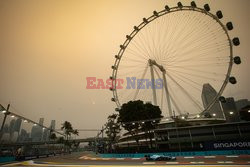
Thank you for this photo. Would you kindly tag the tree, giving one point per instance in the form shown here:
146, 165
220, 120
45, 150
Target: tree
53, 137
112, 129
136, 111
68, 131
75, 145
61, 140
75, 132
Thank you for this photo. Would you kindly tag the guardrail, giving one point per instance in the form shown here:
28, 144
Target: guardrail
176, 154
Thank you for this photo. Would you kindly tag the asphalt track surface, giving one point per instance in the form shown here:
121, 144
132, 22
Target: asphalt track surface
87, 160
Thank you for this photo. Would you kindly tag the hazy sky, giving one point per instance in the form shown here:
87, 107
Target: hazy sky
49, 47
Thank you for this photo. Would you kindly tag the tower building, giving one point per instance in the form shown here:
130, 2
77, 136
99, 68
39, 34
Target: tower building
207, 96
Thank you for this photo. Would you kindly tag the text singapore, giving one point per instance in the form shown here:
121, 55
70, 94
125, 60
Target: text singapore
128, 83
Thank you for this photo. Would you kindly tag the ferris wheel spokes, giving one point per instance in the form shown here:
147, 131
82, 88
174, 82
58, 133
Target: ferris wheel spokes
162, 69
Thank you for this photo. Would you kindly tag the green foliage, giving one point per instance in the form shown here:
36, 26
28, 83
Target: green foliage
60, 140
112, 127
75, 132
137, 111
67, 128
53, 136
68, 131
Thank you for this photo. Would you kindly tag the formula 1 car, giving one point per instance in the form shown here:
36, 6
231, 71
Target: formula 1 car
156, 157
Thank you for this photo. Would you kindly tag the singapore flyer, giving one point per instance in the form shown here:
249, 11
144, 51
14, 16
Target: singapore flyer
172, 57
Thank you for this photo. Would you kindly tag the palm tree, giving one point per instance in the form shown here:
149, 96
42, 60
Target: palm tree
75, 132
67, 128
68, 131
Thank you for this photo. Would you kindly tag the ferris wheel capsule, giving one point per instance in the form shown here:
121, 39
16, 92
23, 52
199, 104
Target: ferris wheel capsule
136, 28
206, 7
155, 13
167, 8
229, 25
145, 20
236, 41
193, 4
219, 14
117, 57
237, 60
179, 4
232, 80
128, 37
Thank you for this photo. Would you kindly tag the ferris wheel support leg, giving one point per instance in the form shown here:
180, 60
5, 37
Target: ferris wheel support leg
153, 83
167, 94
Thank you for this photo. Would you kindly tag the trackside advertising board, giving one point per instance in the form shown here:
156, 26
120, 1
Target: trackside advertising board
227, 145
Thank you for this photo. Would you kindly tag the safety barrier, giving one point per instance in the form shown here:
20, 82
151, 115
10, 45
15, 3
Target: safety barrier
194, 153
7, 159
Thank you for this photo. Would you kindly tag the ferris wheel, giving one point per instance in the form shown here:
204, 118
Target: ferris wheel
171, 56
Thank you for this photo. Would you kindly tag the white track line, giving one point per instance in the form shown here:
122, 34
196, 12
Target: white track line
154, 163
12, 164
31, 163
172, 162
148, 163
200, 162
229, 162
224, 162
209, 156
188, 157
232, 156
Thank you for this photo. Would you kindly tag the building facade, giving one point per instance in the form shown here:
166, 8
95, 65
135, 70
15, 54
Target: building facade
230, 110
207, 96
